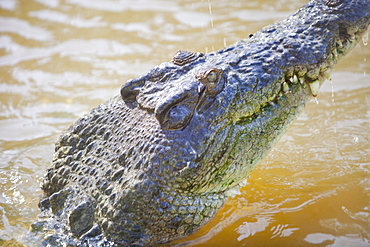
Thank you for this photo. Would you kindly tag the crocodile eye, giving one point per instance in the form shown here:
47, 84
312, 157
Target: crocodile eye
209, 78
212, 77
333, 3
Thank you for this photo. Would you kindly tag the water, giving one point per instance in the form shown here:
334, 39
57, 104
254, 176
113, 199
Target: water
59, 59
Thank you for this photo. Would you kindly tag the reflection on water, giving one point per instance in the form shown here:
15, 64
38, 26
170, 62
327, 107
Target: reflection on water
58, 59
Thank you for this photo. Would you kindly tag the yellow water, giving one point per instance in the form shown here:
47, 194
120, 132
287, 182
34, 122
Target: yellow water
60, 58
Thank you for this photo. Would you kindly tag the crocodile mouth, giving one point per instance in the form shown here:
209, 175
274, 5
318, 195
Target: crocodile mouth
315, 75
293, 89
310, 77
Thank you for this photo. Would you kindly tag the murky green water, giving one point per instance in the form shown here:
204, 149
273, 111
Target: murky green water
59, 59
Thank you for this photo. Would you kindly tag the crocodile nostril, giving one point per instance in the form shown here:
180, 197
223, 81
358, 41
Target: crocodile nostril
130, 90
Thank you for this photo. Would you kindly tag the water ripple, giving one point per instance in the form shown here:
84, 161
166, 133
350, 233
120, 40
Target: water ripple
76, 21
73, 47
24, 29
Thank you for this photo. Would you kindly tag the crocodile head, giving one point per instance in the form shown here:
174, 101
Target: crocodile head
226, 109
154, 163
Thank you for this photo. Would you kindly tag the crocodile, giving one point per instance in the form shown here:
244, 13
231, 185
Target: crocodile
156, 162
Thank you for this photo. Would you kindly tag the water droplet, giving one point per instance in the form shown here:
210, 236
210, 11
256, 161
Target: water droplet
210, 12
365, 38
332, 91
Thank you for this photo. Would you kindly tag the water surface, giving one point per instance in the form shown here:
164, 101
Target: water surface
60, 58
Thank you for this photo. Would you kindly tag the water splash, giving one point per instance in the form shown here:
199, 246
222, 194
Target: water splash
210, 11
332, 90
365, 60
365, 38
6, 232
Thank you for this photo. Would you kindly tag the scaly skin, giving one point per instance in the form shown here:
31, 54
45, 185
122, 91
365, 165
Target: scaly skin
154, 163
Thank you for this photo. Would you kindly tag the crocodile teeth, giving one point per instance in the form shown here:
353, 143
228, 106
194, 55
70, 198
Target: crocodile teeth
294, 79
327, 73
301, 80
322, 79
340, 44
314, 86
335, 54
353, 37
330, 60
285, 87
